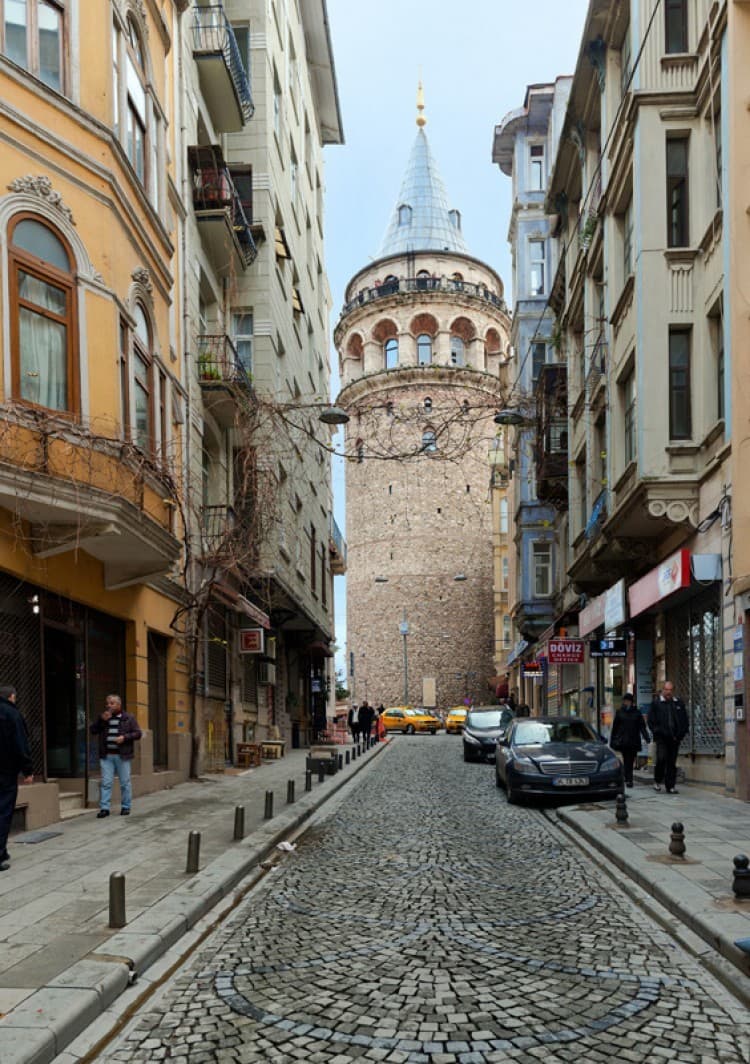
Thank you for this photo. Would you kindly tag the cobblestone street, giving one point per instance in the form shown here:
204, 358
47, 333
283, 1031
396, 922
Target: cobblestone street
423, 919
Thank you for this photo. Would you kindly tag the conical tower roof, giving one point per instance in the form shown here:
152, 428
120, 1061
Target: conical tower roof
422, 220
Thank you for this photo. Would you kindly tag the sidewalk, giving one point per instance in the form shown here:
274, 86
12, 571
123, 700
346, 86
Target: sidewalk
61, 965
695, 889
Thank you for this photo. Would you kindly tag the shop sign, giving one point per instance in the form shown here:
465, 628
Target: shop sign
251, 640
608, 648
531, 668
592, 615
664, 580
565, 652
614, 606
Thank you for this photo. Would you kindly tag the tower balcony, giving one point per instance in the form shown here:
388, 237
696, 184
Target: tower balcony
67, 490
223, 378
424, 286
224, 226
223, 80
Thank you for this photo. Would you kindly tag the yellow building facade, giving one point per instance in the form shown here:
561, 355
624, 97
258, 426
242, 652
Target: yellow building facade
91, 400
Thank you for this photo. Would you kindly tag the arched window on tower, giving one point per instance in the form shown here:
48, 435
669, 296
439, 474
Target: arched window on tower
391, 353
429, 441
428, 404
455, 219
458, 351
404, 214
424, 349
360, 446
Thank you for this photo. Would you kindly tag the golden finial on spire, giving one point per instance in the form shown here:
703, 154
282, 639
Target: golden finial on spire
421, 120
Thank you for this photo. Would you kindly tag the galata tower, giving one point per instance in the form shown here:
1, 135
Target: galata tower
422, 343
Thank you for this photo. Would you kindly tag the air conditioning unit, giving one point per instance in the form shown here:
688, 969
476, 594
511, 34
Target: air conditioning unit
266, 672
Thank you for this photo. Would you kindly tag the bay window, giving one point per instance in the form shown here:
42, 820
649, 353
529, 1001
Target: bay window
33, 34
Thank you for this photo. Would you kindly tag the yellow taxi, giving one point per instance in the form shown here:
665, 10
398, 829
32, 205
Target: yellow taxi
409, 720
454, 722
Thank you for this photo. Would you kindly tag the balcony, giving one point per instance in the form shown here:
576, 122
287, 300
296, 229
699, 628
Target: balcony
337, 548
218, 525
223, 378
552, 436
406, 285
224, 83
224, 226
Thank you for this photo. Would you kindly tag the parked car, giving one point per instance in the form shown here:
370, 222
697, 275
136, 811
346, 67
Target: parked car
483, 727
559, 756
454, 722
409, 720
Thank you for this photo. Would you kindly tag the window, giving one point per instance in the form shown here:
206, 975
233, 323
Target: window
504, 574
43, 321
404, 215
293, 174
676, 26
143, 434
276, 105
135, 135
506, 632
391, 353
628, 404
457, 351
242, 335
627, 241
428, 404
677, 192
33, 35
716, 332
313, 560
680, 427
455, 219
536, 168
541, 566
538, 359
429, 441
124, 381
718, 156
537, 259
242, 37
504, 516
163, 419
424, 349
625, 62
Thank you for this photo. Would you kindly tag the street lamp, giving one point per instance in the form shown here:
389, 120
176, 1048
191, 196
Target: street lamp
511, 417
333, 415
404, 630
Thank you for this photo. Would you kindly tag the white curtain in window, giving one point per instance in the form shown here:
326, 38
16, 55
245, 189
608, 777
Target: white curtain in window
43, 344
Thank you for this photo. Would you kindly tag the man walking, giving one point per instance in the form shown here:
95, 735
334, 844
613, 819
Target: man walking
366, 713
668, 721
15, 760
117, 732
354, 724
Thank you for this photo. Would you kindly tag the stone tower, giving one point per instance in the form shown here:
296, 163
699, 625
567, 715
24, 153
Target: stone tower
422, 343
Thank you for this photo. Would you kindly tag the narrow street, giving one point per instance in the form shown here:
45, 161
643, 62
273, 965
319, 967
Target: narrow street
424, 919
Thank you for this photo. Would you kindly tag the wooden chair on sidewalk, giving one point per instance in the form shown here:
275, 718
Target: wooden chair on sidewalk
249, 755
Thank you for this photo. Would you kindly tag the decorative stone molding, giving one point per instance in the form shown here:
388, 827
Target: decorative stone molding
678, 511
42, 186
142, 277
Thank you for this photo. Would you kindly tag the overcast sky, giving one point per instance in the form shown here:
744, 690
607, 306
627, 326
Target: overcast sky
475, 61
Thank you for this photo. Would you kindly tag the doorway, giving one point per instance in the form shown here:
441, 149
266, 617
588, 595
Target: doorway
64, 703
158, 646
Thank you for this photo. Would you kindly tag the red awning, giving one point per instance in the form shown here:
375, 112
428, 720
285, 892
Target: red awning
319, 649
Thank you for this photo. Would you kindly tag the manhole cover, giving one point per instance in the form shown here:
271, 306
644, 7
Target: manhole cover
37, 836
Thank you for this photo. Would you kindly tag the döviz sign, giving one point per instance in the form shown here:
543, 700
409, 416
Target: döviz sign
565, 652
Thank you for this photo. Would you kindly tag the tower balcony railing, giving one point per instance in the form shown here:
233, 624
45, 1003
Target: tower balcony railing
224, 83
400, 285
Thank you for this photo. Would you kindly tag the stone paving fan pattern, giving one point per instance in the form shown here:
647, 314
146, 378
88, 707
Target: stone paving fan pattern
467, 930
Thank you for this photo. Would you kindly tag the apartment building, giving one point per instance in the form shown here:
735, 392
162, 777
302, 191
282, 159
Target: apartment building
637, 190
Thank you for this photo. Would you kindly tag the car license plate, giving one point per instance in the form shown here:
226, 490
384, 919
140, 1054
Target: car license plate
570, 781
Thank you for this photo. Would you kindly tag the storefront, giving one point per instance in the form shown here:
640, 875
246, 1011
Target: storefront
611, 664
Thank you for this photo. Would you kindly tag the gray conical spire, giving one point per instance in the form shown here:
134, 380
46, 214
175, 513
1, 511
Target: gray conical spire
422, 220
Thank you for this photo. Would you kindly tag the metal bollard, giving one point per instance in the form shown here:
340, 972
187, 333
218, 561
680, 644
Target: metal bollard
347, 757
289, 792
268, 813
340, 762
194, 851
741, 879
321, 772
621, 810
308, 780
354, 753
117, 900
677, 840
239, 822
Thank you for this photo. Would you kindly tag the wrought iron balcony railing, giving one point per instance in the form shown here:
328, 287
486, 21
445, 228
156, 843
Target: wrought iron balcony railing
213, 35
214, 191
219, 363
217, 525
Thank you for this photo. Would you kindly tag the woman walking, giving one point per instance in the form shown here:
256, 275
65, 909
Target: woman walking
628, 728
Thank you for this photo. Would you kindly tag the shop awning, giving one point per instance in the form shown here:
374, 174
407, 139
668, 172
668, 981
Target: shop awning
319, 649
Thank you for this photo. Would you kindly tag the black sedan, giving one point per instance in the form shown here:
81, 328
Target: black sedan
556, 756
483, 727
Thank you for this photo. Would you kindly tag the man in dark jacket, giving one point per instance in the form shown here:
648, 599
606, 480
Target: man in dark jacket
668, 721
628, 729
117, 731
15, 760
366, 714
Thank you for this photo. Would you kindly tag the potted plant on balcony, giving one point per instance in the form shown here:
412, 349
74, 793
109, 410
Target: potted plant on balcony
208, 369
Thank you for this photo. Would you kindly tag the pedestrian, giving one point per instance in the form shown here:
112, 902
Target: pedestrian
117, 732
15, 761
523, 710
668, 722
366, 714
380, 725
628, 728
354, 724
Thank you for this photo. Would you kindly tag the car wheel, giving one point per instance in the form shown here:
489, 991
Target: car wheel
498, 781
409, 729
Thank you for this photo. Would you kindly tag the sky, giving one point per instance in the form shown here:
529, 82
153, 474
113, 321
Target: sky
475, 61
